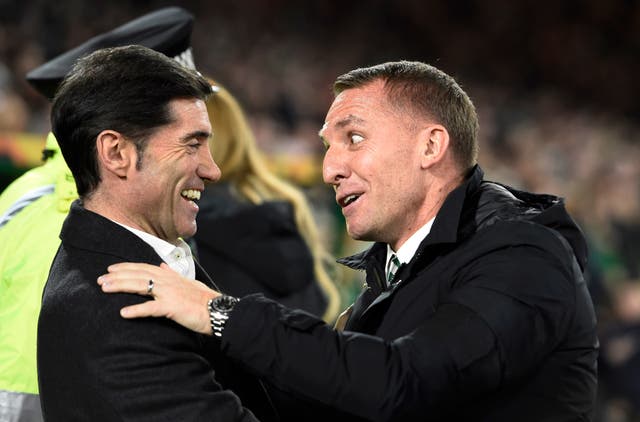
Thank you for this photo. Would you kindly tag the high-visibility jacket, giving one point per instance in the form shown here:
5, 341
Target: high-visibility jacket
32, 210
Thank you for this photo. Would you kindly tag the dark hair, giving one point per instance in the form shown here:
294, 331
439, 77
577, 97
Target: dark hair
427, 90
126, 89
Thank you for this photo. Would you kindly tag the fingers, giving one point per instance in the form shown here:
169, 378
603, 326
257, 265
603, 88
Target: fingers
135, 270
111, 283
178, 298
137, 267
144, 309
128, 277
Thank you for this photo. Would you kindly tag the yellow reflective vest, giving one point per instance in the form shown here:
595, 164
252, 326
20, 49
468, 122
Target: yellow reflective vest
32, 210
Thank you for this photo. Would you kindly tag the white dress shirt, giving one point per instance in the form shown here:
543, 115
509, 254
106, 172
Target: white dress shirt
178, 257
408, 249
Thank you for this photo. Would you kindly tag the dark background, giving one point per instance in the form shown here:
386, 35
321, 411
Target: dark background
270, 50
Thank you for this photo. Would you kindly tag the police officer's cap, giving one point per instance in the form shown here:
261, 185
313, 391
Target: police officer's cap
166, 30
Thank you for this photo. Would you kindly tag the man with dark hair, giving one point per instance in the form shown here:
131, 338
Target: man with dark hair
34, 206
133, 127
475, 307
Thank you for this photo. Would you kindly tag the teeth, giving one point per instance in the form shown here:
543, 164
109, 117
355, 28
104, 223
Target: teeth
349, 199
191, 194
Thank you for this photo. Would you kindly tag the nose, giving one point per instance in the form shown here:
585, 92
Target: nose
334, 167
208, 170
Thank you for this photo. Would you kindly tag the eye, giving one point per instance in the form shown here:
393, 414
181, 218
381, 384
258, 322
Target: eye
194, 144
356, 139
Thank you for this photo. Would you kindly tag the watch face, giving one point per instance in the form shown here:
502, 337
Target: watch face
224, 303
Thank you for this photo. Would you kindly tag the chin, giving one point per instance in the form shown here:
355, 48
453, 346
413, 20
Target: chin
189, 232
356, 234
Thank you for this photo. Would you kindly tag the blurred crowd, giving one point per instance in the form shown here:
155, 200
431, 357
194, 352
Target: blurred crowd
553, 84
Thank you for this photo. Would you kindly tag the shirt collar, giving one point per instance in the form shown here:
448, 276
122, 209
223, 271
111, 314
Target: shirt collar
408, 249
177, 256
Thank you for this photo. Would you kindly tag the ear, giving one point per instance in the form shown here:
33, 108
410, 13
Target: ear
434, 144
115, 154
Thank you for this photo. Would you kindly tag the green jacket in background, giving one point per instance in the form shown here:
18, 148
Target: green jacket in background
32, 210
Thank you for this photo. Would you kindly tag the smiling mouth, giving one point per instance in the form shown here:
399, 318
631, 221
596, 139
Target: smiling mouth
191, 194
347, 200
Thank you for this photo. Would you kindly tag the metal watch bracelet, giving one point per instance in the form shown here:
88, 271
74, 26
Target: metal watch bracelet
219, 310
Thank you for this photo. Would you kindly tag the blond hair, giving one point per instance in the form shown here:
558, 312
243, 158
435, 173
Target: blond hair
235, 151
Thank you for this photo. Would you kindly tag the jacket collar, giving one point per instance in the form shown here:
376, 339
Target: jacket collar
87, 230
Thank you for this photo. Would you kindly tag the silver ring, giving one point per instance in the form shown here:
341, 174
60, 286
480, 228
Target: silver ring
150, 287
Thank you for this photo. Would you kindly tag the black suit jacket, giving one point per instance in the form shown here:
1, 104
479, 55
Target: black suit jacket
490, 321
94, 365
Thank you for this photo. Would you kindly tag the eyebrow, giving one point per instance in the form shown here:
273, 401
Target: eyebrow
197, 134
350, 119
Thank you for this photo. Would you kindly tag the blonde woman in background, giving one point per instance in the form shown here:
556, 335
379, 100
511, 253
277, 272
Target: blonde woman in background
256, 232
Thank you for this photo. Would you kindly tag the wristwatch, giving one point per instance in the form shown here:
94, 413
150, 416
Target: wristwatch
219, 310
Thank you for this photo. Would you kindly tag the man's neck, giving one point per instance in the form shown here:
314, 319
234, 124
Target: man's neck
435, 197
118, 214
